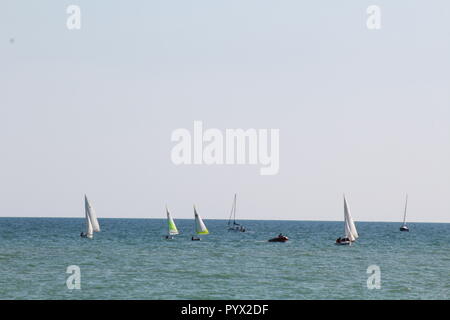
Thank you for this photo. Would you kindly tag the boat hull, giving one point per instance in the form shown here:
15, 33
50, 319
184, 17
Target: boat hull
343, 243
279, 239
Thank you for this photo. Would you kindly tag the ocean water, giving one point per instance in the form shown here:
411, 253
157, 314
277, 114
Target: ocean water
130, 259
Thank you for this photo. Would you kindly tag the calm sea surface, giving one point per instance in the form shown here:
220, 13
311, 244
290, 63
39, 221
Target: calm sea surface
130, 259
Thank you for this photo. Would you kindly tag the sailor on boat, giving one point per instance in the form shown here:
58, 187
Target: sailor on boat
83, 235
280, 238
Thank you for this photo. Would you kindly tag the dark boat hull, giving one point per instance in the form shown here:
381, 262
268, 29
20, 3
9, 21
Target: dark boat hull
343, 243
279, 239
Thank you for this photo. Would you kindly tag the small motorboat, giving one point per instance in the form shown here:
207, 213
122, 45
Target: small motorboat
280, 238
195, 239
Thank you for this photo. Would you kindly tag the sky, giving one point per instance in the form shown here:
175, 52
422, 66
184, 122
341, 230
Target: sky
359, 111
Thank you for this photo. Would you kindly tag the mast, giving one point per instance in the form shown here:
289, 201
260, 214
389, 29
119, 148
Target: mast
234, 209
233, 212
231, 215
406, 207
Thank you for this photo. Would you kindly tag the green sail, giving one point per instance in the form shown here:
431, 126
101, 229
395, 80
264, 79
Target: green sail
172, 227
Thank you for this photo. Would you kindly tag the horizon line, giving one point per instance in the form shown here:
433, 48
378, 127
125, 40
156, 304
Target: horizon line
163, 218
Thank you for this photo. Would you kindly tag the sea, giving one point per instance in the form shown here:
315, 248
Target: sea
45, 258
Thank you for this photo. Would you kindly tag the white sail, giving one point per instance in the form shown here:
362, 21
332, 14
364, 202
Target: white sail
172, 227
350, 229
200, 227
92, 215
89, 229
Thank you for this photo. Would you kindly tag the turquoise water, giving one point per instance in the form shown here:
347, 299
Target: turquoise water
130, 259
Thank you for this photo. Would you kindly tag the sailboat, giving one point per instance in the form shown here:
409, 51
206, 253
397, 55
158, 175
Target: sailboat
200, 227
92, 224
404, 227
233, 226
349, 227
172, 227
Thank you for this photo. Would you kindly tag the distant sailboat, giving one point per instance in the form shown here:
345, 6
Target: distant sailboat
404, 227
172, 227
200, 227
349, 227
92, 224
233, 226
